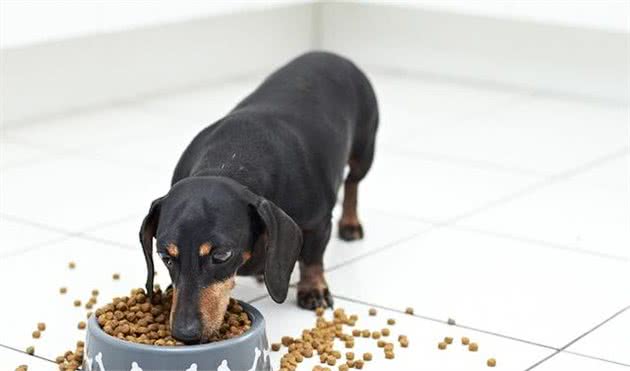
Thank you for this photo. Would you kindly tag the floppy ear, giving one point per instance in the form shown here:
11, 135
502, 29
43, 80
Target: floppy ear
147, 232
283, 244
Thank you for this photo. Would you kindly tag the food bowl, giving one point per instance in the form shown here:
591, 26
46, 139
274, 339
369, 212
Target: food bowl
247, 352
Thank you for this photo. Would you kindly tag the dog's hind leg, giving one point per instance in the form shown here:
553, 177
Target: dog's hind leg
350, 227
312, 289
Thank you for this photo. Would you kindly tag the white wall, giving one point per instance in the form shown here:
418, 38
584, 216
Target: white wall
25, 22
610, 15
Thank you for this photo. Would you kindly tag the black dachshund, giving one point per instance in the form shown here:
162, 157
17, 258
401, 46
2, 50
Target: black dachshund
253, 193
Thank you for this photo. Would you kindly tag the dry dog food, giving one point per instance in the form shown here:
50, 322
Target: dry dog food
36, 334
448, 340
473, 347
95, 292
72, 265
358, 364
389, 354
404, 342
465, 340
70, 360
372, 311
41, 326
77, 303
276, 347
367, 356
380, 343
385, 332
350, 356
491, 362
138, 319
63, 290
391, 321
409, 310
22, 368
376, 335
451, 322
81, 325
116, 276
441, 345
30, 350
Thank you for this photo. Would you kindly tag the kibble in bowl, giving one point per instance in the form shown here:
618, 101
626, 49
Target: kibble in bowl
129, 340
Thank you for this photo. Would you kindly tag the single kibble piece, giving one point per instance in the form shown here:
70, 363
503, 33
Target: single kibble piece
275, 347
36, 334
63, 290
404, 342
95, 292
367, 356
389, 355
465, 340
319, 311
358, 364
441, 345
287, 340
30, 350
116, 276
81, 325
77, 303
409, 310
376, 335
88, 305
365, 333
41, 326
349, 344
473, 347
451, 322
372, 312
349, 356
343, 367
448, 340
331, 361
491, 362
72, 265
389, 347
380, 343
385, 332
391, 321
22, 368
356, 332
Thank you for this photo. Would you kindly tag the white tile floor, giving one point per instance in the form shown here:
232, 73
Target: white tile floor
508, 211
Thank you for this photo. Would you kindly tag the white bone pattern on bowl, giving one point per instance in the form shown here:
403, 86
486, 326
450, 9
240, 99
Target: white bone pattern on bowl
193, 367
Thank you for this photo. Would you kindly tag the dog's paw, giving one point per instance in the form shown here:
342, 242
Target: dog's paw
314, 298
350, 232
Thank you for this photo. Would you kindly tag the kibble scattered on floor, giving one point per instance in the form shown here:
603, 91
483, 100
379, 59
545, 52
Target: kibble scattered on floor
72, 265
21, 368
41, 326
491, 362
465, 340
473, 347
116, 276
409, 310
30, 350
63, 290
441, 345
36, 334
372, 311
448, 340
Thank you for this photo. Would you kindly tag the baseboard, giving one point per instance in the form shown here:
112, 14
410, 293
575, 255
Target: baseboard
544, 57
74, 74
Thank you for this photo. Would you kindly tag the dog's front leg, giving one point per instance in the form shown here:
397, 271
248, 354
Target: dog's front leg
312, 289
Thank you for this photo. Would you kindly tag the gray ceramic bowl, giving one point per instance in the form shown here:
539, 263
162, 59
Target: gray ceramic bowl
247, 352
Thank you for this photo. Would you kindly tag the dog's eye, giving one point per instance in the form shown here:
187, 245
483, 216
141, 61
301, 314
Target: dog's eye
221, 256
168, 261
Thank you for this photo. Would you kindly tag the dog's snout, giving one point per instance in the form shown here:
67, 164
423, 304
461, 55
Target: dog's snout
188, 331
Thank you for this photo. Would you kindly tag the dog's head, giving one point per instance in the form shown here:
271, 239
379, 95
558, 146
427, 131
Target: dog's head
206, 228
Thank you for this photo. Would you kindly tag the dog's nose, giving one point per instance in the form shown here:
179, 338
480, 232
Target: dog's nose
188, 332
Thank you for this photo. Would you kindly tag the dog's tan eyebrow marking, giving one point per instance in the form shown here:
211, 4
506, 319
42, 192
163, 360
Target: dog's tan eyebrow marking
204, 249
172, 250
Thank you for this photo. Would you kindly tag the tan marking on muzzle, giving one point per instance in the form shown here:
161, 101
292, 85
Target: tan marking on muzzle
213, 302
246, 256
204, 249
172, 250
173, 306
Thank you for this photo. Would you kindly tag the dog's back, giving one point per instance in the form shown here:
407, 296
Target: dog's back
291, 139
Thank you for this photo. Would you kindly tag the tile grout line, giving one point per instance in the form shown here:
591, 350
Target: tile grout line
575, 340
595, 358
26, 354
